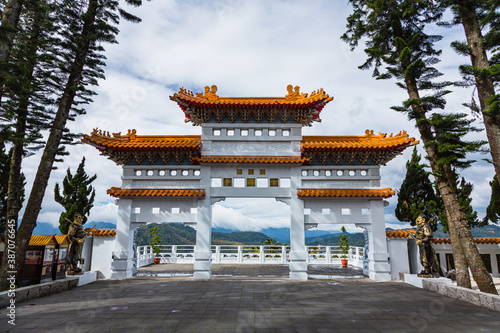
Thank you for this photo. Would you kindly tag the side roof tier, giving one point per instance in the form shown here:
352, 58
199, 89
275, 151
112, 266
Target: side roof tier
133, 149
132, 142
295, 107
369, 141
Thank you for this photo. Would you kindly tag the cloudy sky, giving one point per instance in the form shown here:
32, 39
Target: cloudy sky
246, 48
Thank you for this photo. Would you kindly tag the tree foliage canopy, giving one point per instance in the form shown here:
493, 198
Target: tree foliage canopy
77, 196
417, 195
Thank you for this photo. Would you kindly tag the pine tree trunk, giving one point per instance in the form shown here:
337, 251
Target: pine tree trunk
34, 203
485, 87
10, 19
15, 183
465, 251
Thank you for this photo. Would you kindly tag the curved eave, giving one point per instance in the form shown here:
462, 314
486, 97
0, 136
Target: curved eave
243, 102
368, 142
346, 193
119, 192
146, 143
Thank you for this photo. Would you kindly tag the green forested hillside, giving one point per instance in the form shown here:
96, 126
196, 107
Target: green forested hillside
171, 233
178, 234
333, 240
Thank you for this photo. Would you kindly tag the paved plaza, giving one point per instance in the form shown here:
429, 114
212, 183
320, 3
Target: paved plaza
256, 298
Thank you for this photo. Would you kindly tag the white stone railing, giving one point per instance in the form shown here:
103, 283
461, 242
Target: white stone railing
249, 254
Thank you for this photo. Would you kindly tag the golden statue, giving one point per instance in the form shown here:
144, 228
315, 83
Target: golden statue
428, 258
76, 235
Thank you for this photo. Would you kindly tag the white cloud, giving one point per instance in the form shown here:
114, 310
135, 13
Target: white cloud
250, 214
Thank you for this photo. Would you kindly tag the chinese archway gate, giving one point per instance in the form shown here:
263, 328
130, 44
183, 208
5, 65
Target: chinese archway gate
251, 148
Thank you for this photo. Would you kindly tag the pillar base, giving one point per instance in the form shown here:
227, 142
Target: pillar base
121, 275
375, 276
202, 275
298, 265
301, 276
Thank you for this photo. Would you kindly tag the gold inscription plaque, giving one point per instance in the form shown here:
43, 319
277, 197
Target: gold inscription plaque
228, 182
250, 182
274, 182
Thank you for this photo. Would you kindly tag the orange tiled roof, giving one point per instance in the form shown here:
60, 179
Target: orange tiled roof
479, 240
186, 97
42, 240
131, 141
369, 141
404, 234
62, 239
101, 232
118, 192
200, 108
379, 193
399, 233
252, 159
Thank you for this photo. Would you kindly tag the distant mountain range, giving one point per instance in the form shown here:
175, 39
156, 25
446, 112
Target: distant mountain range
282, 235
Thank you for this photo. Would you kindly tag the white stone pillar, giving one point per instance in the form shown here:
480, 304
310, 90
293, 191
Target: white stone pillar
494, 263
123, 254
203, 250
173, 257
298, 254
379, 267
240, 254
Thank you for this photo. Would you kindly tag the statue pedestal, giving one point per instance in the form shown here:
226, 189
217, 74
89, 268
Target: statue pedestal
86, 278
416, 281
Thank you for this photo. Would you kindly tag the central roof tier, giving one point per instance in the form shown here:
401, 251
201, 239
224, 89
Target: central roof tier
295, 107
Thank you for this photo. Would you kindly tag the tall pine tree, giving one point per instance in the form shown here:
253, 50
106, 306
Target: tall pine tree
77, 196
417, 196
83, 27
397, 46
493, 209
480, 20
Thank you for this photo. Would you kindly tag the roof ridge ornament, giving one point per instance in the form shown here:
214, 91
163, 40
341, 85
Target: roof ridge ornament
209, 94
131, 134
294, 95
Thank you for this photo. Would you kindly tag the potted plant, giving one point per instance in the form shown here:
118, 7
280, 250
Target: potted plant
344, 247
155, 244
